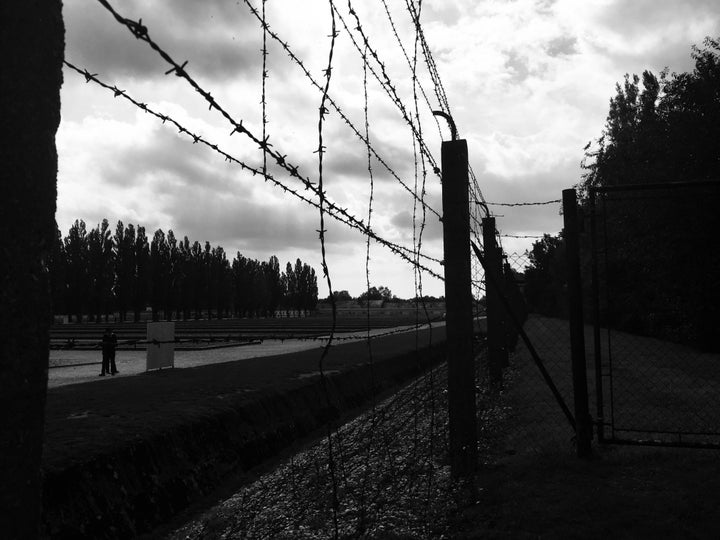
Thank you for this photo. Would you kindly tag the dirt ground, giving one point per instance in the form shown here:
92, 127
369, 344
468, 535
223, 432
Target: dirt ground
620, 492
534, 486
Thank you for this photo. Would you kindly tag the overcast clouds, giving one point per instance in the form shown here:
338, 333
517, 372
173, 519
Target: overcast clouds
528, 82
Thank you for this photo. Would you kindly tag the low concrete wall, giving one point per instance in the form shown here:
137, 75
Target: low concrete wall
139, 485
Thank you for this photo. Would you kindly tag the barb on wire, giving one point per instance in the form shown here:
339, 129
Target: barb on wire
332, 102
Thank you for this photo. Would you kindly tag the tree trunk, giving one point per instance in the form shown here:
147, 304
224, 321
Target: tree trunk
32, 41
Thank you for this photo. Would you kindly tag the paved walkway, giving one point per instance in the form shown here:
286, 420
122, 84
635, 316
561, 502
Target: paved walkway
72, 367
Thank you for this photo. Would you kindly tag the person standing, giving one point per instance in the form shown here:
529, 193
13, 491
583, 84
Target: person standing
109, 344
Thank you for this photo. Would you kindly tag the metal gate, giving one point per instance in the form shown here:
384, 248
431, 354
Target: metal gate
655, 258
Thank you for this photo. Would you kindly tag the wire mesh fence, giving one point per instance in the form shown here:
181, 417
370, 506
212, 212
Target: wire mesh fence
544, 426
657, 312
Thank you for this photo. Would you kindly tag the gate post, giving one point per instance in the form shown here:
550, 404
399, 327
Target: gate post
597, 352
583, 425
493, 308
458, 307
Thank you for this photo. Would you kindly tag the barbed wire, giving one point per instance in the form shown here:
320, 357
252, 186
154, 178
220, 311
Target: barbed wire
521, 236
264, 81
141, 33
322, 111
291, 54
541, 203
387, 84
428, 376
413, 68
401, 251
429, 60
407, 59
371, 196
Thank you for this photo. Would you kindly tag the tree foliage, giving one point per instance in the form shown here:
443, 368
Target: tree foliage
376, 293
546, 278
657, 244
95, 273
666, 131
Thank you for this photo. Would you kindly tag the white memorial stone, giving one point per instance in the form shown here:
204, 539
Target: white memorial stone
161, 345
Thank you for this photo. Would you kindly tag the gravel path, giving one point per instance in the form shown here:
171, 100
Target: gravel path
73, 367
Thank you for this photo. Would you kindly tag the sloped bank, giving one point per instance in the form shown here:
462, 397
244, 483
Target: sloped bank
123, 457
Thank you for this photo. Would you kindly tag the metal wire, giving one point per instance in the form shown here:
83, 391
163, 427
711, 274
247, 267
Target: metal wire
333, 103
141, 32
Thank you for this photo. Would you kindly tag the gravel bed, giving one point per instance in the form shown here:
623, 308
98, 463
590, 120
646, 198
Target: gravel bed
383, 475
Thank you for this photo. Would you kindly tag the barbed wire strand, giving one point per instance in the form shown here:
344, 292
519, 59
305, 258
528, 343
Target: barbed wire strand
429, 60
541, 203
386, 84
407, 59
326, 272
415, 272
332, 102
428, 374
401, 251
264, 82
371, 194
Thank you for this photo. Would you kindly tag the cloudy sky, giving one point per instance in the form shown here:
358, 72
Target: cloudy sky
528, 83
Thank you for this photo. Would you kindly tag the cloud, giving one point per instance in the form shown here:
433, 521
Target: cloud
648, 34
250, 225
528, 82
535, 187
562, 46
96, 40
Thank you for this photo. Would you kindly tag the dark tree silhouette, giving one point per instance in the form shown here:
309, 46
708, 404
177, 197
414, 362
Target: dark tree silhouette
546, 277
57, 268
376, 293
174, 278
275, 284
341, 296
307, 289
291, 293
125, 268
100, 269
183, 275
76, 251
97, 273
159, 273
142, 273
666, 130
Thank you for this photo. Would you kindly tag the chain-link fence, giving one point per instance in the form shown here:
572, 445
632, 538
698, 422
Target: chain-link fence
541, 423
657, 294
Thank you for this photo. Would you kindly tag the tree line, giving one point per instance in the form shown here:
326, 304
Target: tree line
660, 259
98, 272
